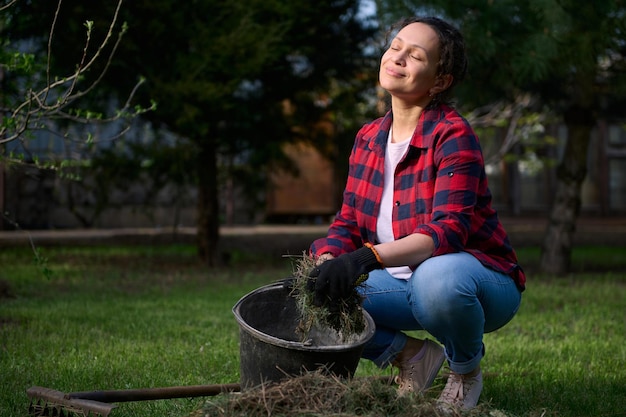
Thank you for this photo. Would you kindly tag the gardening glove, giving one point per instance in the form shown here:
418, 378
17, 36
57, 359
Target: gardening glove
334, 279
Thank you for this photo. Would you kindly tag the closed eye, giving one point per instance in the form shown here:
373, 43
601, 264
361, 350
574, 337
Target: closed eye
416, 54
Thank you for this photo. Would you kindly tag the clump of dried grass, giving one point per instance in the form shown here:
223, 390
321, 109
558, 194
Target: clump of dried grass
320, 394
345, 318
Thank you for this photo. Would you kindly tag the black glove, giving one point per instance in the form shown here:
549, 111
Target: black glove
334, 279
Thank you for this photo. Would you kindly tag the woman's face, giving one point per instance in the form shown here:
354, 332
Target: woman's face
408, 69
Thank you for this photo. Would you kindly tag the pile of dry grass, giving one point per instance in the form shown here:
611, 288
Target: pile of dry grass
346, 317
318, 394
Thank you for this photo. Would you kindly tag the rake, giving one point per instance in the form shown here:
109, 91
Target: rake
46, 402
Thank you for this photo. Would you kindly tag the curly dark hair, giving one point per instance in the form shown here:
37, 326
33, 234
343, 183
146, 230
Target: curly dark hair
452, 54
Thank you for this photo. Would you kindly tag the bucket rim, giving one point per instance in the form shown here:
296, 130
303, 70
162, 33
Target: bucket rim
365, 336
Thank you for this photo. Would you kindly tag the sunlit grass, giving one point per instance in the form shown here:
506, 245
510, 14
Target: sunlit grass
134, 317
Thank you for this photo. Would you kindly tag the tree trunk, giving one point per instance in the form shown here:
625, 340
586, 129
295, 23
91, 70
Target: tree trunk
3, 222
208, 203
558, 239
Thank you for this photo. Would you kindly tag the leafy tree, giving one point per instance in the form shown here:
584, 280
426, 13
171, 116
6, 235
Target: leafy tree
568, 53
222, 73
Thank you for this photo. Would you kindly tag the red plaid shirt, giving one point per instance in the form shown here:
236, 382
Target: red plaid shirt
440, 189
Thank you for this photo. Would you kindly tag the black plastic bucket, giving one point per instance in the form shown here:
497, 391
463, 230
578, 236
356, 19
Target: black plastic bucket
270, 348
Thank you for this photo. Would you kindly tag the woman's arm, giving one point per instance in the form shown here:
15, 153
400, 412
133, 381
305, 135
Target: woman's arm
410, 250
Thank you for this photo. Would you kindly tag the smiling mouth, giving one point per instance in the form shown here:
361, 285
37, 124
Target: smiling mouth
393, 73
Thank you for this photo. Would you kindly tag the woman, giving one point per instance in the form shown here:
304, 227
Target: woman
416, 222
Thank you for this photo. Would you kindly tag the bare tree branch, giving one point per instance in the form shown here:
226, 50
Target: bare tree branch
52, 101
498, 113
6, 6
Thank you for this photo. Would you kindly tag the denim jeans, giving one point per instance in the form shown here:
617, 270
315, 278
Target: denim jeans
453, 297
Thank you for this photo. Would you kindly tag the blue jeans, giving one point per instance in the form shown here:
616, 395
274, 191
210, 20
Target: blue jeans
453, 297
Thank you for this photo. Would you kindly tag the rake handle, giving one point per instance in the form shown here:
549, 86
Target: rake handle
146, 394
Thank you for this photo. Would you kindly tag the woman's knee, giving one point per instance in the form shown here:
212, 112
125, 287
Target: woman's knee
445, 276
441, 287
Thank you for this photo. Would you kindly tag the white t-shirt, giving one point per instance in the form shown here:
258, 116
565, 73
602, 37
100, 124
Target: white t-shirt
395, 152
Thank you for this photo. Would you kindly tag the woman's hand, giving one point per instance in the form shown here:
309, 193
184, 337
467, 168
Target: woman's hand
336, 278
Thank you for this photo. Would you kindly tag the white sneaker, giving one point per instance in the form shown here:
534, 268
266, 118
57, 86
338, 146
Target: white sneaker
417, 376
462, 391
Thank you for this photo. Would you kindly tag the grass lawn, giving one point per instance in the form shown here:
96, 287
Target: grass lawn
151, 316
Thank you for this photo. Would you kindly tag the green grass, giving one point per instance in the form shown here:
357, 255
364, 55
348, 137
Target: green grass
139, 316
